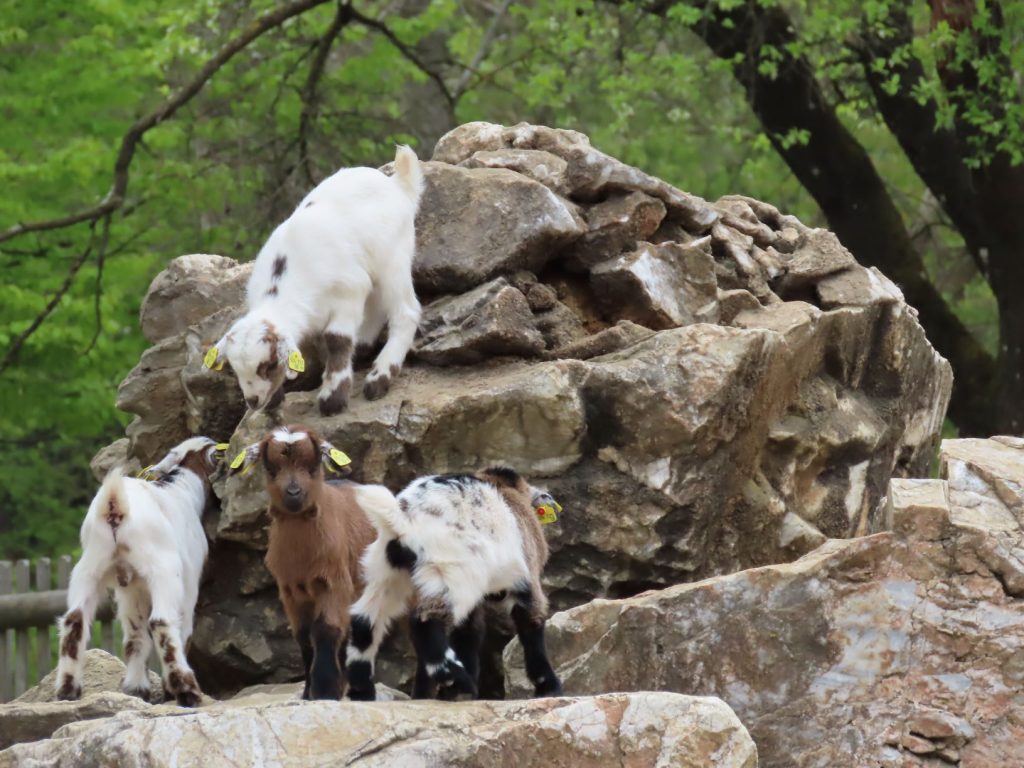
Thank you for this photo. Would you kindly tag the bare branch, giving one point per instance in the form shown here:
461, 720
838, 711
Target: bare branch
482, 51
408, 53
114, 199
19, 341
310, 105
100, 258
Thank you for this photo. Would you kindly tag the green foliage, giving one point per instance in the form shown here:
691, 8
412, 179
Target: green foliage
218, 175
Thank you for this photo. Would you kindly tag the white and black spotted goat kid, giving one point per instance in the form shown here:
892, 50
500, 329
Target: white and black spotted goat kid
334, 274
146, 540
444, 545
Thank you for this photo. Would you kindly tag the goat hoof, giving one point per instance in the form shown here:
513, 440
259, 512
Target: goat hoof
139, 693
376, 388
548, 688
363, 694
189, 698
69, 691
333, 405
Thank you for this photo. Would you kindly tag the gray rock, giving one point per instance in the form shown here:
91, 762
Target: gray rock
659, 286
852, 654
652, 729
491, 320
474, 224
190, 288
615, 225
541, 166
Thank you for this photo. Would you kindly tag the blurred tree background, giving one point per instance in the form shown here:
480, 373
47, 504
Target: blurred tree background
136, 130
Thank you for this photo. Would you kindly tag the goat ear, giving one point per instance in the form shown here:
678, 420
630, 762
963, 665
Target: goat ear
333, 458
215, 358
244, 460
294, 364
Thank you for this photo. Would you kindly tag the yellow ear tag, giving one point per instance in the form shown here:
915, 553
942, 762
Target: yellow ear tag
339, 458
296, 361
220, 447
210, 359
237, 461
144, 472
558, 507
546, 514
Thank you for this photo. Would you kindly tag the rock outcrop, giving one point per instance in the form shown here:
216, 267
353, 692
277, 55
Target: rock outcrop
896, 649
646, 729
705, 386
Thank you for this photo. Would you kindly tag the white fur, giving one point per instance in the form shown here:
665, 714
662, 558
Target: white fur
158, 549
348, 250
470, 548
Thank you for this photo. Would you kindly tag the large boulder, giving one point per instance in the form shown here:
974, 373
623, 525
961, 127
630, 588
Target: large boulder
897, 649
646, 729
732, 401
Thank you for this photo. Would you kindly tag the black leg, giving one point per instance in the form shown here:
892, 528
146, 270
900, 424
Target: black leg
531, 635
466, 641
359, 669
422, 687
306, 646
325, 675
431, 643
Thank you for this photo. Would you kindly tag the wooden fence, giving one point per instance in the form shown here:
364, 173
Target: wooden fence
28, 628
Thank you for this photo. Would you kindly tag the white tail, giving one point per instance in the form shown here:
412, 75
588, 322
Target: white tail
110, 499
408, 173
381, 507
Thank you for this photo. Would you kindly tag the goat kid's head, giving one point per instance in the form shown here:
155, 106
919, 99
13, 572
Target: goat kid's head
201, 455
293, 458
261, 356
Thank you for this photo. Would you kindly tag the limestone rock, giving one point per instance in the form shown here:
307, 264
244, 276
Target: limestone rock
114, 455
23, 721
615, 225
857, 286
474, 224
190, 288
541, 166
37, 713
103, 673
646, 729
865, 647
491, 320
742, 440
659, 286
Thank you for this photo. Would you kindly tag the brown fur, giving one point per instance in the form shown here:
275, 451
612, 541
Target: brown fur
73, 621
518, 495
314, 549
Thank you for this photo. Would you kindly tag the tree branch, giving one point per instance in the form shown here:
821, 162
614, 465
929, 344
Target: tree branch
317, 66
100, 258
837, 171
408, 53
19, 341
481, 53
936, 153
114, 199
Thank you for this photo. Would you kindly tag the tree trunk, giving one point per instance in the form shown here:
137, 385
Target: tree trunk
837, 171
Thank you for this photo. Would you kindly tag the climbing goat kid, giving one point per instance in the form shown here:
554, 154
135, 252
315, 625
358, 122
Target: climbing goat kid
318, 532
444, 545
145, 539
334, 273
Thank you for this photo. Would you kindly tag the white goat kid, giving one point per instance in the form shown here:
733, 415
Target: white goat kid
334, 273
145, 539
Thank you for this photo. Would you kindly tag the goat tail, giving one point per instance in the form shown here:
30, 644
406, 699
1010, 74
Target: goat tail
381, 507
111, 501
408, 173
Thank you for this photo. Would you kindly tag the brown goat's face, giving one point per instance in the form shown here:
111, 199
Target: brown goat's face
293, 462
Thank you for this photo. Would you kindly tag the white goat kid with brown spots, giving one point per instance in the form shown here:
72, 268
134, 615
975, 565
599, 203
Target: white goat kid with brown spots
144, 539
334, 273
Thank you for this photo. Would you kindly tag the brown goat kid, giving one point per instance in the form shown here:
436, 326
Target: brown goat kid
318, 533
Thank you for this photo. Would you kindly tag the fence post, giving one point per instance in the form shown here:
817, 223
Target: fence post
22, 584
6, 639
44, 654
